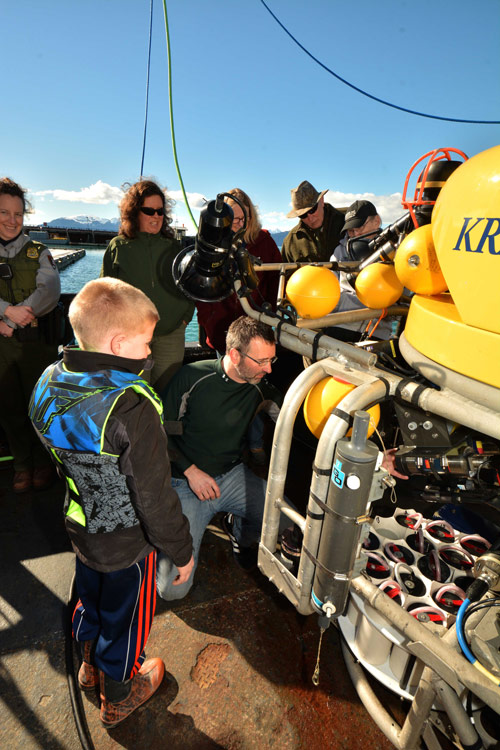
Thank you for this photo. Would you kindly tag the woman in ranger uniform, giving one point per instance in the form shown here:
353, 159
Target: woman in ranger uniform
142, 255
29, 291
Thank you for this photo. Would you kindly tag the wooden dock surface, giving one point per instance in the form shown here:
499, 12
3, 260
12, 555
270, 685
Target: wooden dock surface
65, 257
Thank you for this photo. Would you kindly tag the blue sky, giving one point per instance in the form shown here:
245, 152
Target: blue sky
251, 109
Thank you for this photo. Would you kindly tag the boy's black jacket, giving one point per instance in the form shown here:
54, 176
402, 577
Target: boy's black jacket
135, 433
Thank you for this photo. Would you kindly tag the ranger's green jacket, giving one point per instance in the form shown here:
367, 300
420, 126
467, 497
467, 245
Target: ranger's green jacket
146, 263
35, 278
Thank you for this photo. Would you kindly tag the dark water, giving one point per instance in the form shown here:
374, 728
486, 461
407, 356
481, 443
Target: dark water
75, 276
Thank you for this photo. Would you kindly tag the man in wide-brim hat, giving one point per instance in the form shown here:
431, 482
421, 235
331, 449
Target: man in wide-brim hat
318, 232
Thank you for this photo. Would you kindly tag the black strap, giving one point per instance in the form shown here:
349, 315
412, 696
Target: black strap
323, 505
315, 516
317, 563
387, 387
416, 393
278, 331
315, 347
331, 512
321, 472
342, 415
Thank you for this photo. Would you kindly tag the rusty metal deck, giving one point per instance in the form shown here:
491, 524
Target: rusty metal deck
239, 658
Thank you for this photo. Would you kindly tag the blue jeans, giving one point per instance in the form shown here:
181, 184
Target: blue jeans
241, 493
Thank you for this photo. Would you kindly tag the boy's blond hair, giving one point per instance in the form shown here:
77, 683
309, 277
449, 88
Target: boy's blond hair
106, 307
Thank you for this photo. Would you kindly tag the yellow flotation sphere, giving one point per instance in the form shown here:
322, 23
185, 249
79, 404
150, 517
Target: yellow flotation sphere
325, 396
378, 286
314, 291
416, 263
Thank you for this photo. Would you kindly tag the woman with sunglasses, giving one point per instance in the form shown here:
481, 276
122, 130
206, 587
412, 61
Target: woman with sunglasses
216, 317
142, 255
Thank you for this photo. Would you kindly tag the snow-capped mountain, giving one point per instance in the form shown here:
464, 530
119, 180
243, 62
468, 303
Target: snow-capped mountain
85, 222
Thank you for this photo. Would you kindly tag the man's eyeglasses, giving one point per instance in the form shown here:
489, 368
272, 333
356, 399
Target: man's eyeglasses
310, 212
152, 211
260, 362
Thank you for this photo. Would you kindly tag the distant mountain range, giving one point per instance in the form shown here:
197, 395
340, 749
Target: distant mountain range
111, 225
85, 222
278, 237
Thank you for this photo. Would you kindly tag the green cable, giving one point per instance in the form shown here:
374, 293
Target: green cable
172, 116
6, 458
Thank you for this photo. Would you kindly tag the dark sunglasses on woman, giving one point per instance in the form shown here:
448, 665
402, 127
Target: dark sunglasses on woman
152, 211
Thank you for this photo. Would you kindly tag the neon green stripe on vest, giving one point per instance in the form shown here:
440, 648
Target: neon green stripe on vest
75, 512
143, 392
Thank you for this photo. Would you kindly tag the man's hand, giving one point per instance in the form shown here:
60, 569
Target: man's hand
202, 484
21, 315
388, 462
184, 573
5, 330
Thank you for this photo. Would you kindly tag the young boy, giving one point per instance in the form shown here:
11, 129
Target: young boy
102, 425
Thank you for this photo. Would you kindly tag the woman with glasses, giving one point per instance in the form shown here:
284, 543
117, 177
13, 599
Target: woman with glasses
216, 317
142, 255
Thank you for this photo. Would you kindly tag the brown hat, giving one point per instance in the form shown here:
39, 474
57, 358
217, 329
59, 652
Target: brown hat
304, 197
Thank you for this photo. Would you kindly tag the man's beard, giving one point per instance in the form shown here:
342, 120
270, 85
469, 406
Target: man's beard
244, 375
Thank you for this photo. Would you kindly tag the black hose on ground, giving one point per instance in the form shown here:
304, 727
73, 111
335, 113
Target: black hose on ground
74, 691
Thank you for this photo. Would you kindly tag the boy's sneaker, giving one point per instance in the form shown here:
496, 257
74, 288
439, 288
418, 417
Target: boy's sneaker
244, 557
88, 674
120, 699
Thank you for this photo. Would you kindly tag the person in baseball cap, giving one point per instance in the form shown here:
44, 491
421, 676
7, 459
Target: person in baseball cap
361, 218
319, 228
361, 215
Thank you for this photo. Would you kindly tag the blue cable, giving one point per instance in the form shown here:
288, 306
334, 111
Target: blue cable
371, 96
459, 629
147, 88
459, 625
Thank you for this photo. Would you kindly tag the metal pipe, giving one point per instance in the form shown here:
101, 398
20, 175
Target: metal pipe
416, 725
456, 713
347, 501
481, 393
302, 340
282, 439
432, 650
368, 391
291, 513
347, 265
268, 562
418, 714
334, 429
380, 716
430, 685
453, 406
350, 316
445, 403
281, 287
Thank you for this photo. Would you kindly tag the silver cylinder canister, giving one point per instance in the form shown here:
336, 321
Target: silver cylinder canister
347, 501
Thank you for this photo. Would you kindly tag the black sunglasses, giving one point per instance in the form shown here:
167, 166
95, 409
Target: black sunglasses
311, 211
152, 211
